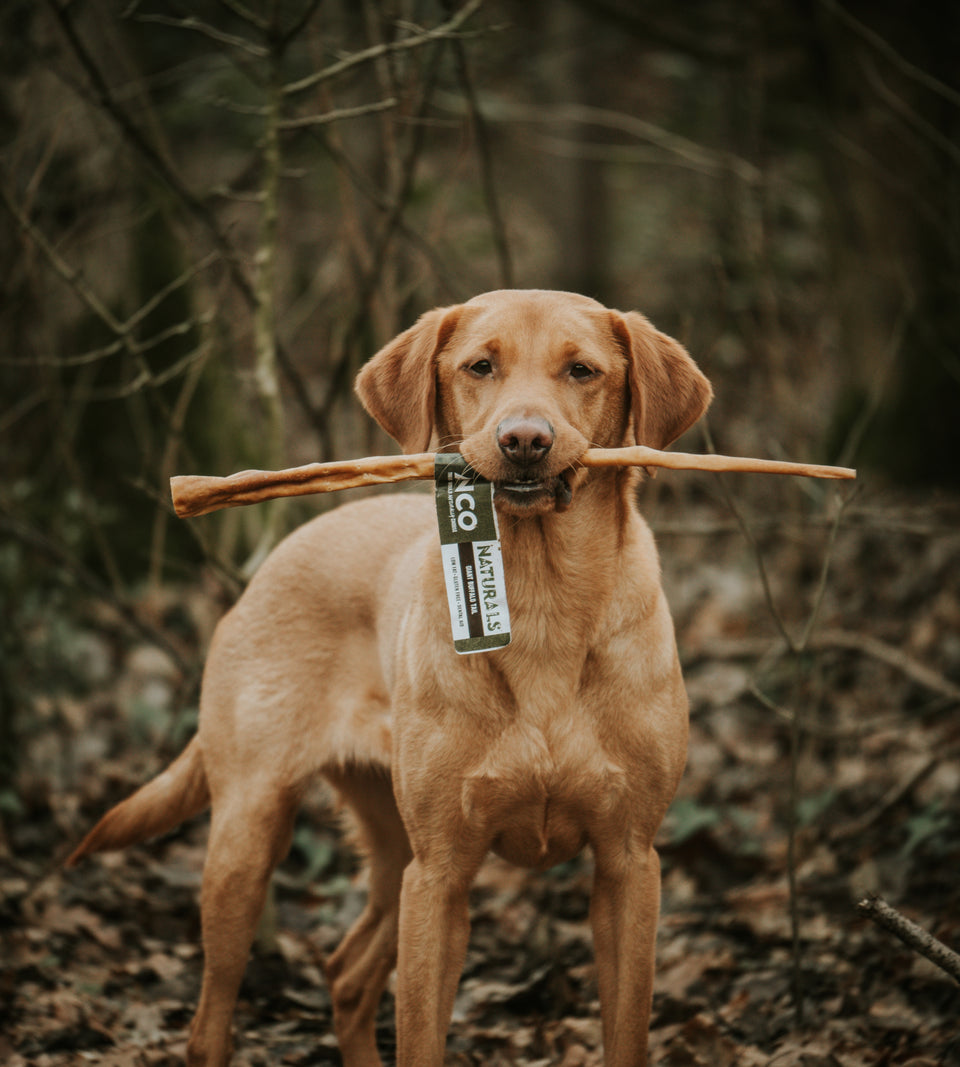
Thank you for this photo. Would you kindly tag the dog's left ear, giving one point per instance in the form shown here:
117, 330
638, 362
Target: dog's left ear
668, 391
398, 385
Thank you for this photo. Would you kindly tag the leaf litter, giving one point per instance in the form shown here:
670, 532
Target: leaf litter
101, 965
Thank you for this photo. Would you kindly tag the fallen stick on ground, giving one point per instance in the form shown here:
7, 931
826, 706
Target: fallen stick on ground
911, 934
195, 494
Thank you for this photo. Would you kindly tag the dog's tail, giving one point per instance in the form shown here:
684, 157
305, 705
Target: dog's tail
160, 805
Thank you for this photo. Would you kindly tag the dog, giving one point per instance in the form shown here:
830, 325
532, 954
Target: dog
338, 661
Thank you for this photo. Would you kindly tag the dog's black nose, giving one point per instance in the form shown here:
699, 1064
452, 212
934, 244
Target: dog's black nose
525, 440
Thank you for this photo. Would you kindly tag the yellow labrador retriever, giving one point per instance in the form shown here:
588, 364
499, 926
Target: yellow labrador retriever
338, 661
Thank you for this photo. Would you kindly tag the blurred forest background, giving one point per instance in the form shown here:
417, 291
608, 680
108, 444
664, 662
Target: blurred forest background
212, 213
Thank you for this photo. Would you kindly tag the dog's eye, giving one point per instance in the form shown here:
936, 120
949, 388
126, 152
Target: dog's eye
581, 372
483, 368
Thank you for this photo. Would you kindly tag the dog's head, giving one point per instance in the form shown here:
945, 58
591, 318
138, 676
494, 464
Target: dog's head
523, 382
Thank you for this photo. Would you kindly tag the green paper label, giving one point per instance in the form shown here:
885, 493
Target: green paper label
472, 562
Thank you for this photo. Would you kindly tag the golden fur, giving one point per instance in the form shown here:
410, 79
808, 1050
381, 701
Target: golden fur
338, 661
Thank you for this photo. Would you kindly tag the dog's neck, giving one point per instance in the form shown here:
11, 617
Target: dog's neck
568, 565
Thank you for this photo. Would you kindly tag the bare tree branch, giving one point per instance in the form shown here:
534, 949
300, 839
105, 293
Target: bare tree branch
499, 109
155, 161
861, 424
39, 541
72, 277
193, 24
446, 276
367, 55
148, 379
926, 130
388, 228
836, 639
889, 654
300, 23
248, 16
125, 331
195, 207
755, 548
917, 771
887, 50
841, 503
337, 115
485, 154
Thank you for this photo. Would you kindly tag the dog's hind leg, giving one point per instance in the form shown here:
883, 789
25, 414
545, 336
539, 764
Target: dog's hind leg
250, 832
360, 967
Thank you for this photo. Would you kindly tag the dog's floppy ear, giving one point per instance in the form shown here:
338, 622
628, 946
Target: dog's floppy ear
668, 392
398, 385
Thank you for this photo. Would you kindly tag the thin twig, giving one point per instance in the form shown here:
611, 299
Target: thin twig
445, 276
148, 379
755, 547
340, 373
856, 828
337, 115
796, 650
678, 149
793, 824
192, 23
841, 506
161, 294
836, 639
21, 409
887, 50
155, 161
258, 22
168, 462
893, 656
367, 55
851, 445
124, 331
191, 203
926, 130
39, 541
300, 23
485, 155
72, 277
818, 730
879, 911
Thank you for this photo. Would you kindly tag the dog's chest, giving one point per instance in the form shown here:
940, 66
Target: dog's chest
539, 792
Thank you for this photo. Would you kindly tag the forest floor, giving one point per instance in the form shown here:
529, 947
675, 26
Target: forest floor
101, 964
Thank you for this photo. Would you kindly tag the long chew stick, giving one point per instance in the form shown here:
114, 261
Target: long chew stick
195, 494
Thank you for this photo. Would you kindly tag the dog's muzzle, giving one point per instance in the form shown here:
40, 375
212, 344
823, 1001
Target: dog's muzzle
529, 490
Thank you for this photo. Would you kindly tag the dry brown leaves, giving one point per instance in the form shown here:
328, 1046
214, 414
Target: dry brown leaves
101, 965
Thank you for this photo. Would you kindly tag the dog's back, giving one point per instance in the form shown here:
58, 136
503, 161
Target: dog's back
297, 672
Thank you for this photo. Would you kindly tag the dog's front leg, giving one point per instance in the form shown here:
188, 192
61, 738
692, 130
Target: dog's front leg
434, 930
624, 911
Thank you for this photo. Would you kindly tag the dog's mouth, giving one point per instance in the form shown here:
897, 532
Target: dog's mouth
527, 489
530, 491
